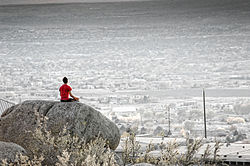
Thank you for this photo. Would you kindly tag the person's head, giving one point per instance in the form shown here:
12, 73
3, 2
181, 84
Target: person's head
65, 80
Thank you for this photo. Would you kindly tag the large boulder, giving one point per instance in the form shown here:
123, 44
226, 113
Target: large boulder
10, 151
18, 123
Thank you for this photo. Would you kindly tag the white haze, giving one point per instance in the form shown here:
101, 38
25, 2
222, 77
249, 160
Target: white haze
21, 2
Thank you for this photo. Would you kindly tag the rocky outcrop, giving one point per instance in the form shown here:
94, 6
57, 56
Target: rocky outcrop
18, 123
10, 151
143, 164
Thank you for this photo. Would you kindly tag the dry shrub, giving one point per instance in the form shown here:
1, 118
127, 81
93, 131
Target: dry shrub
98, 154
206, 155
74, 151
170, 154
146, 157
71, 149
189, 158
130, 149
217, 147
23, 160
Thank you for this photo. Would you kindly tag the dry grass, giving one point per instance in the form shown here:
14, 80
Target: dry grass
23, 161
170, 154
130, 149
74, 151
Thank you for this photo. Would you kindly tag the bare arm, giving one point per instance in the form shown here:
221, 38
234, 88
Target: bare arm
75, 98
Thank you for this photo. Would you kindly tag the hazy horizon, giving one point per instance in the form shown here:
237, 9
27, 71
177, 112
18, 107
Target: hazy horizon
134, 54
32, 2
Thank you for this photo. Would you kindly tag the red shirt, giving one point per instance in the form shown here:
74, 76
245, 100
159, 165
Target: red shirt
64, 91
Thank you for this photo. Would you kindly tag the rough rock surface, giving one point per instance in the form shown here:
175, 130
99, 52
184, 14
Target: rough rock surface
78, 118
9, 150
143, 164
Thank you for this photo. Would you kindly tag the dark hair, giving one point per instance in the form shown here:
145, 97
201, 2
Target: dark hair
65, 80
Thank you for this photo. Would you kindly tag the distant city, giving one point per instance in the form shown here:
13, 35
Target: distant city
142, 66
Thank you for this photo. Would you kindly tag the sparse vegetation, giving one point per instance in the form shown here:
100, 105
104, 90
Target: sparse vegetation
130, 149
23, 161
71, 150
74, 151
169, 153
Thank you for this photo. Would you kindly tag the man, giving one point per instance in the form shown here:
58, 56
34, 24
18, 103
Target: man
65, 91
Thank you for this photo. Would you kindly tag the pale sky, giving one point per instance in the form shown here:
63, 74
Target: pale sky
7, 2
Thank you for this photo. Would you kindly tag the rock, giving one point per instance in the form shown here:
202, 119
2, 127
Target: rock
9, 151
78, 118
140, 164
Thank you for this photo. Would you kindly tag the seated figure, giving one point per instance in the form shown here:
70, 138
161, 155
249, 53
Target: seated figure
65, 91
